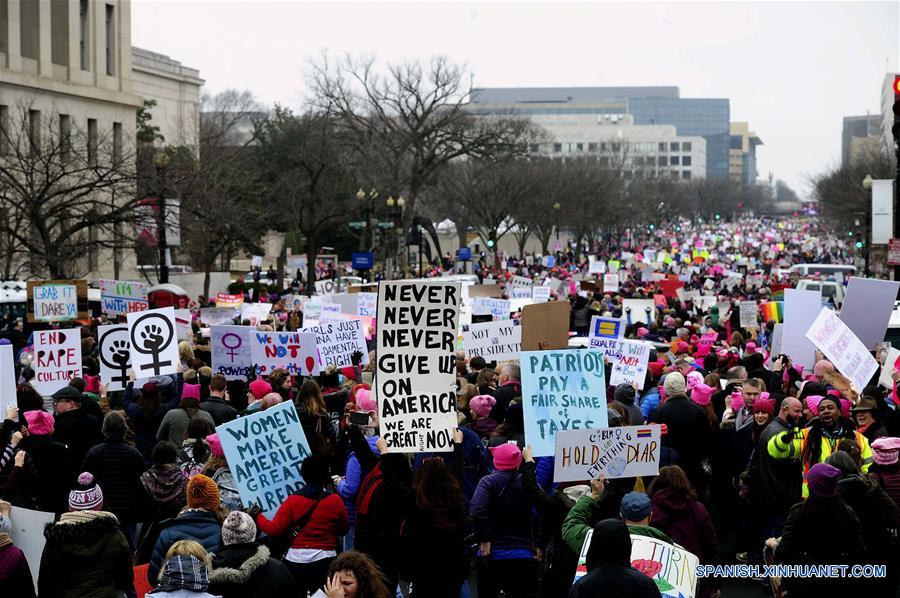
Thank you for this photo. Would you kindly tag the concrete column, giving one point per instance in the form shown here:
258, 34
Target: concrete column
74, 40
45, 62
14, 56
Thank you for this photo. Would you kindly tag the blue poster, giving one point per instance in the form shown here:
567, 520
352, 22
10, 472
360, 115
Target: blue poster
264, 452
561, 390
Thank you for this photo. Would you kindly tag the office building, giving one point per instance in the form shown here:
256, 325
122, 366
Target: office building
860, 134
176, 90
742, 154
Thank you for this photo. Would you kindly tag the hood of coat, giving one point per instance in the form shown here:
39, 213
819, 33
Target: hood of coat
667, 501
83, 532
236, 563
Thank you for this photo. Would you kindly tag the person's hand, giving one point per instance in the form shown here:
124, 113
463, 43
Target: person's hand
772, 543
356, 357
381, 445
457, 436
5, 508
102, 390
895, 375
16, 438
12, 412
485, 548
597, 487
20, 459
777, 365
132, 377
538, 554
253, 510
527, 455
333, 587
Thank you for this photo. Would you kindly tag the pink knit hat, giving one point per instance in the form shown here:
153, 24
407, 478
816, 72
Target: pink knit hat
702, 394
481, 405
215, 445
822, 366
642, 332
812, 402
190, 391
886, 450
91, 383
506, 456
260, 388
764, 405
40, 423
364, 400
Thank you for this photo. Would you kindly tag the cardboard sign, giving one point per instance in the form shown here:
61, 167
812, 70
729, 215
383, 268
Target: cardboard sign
867, 308
672, 568
561, 390
748, 314
292, 351
499, 309
336, 341
495, 341
540, 294
27, 534
842, 348
639, 310
367, 304
625, 452
57, 359
57, 300
545, 323
154, 344
415, 381
119, 297
231, 353
611, 282
114, 348
218, 316
7, 377
800, 311
630, 367
264, 452
605, 327
226, 300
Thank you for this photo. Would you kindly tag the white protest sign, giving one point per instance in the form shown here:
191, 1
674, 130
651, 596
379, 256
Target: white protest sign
183, 329
264, 452
747, 314
57, 358
55, 302
520, 293
337, 340
154, 345
625, 452
256, 312
314, 309
216, 316
800, 311
367, 304
521, 281
495, 341
842, 348
292, 351
605, 327
867, 308
540, 294
631, 365
256, 261
27, 534
415, 381
7, 377
497, 308
231, 353
114, 349
639, 309
326, 287
119, 297
597, 268
891, 362
610, 282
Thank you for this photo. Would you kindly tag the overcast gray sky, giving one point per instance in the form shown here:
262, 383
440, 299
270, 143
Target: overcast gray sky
791, 69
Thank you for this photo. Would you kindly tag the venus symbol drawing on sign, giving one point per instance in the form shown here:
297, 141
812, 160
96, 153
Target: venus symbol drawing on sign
150, 335
232, 351
115, 353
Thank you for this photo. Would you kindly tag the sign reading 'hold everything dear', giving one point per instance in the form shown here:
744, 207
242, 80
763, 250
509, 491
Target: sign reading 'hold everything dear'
415, 380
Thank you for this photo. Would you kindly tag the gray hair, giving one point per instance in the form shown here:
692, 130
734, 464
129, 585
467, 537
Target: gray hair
114, 427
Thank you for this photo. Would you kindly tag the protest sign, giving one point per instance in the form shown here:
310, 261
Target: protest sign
264, 452
561, 390
891, 362
292, 351
114, 349
867, 308
521, 281
315, 307
606, 327
415, 381
748, 314
638, 310
545, 323
183, 328
367, 304
625, 452
495, 341
540, 294
485, 290
7, 377
154, 345
120, 297
57, 358
800, 310
336, 341
56, 300
27, 534
496, 308
226, 300
217, 316
349, 302
706, 343
326, 287
231, 353
631, 365
520, 292
255, 312
842, 348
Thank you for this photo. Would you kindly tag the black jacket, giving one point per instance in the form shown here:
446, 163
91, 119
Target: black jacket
54, 472
609, 568
78, 430
117, 468
504, 394
220, 411
689, 433
247, 571
775, 484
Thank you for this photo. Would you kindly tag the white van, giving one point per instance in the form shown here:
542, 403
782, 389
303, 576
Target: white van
823, 270
832, 292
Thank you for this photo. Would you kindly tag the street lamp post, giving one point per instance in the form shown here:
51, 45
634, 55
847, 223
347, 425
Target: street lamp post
556, 207
161, 162
867, 185
395, 207
368, 198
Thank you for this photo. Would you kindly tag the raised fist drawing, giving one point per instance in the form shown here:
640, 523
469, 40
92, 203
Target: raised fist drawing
121, 352
152, 337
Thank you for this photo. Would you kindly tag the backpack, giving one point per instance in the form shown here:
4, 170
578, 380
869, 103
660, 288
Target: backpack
373, 481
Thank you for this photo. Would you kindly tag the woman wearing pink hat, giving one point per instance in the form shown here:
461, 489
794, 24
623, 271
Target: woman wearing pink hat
480, 407
51, 460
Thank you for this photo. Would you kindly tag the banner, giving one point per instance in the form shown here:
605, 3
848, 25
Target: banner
367, 304
337, 340
611, 282
226, 300
540, 294
184, 330
800, 310
561, 390
264, 452
520, 293
114, 349
631, 365
56, 300
748, 314
57, 359
625, 452
842, 348
497, 308
119, 297
707, 341
292, 351
597, 268
415, 381
231, 353
154, 344
315, 307
326, 287
495, 341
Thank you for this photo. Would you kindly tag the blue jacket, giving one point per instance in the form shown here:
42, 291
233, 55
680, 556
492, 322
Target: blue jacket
195, 524
353, 477
474, 461
501, 512
650, 402
543, 472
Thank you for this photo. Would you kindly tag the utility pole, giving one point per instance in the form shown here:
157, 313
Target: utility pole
896, 133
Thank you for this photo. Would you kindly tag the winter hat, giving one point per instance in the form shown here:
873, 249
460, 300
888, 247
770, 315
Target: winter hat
238, 528
270, 400
702, 394
624, 392
215, 445
674, 384
693, 379
750, 347
506, 456
67, 393
481, 405
190, 391
642, 332
682, 347
822, 480
40, 423
260, 388
656, 368
635, 506
822, 366
87, 495
202, 493
812, 401
91, 383
886, 450
364, 400
764, 405
669, 322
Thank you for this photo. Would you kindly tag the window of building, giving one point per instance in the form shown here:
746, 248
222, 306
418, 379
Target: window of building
604, 147
92, 141
673, 160
662, 147
59, 33
4, 25
4, 130
639, 161
685, 160
651, 160
592, 147
737, 142
557, 148
29, 29
686, 175
533, 148
110, 40
34, 130
65, 136
673, 146
117, 144
603, 161
686, 146
616, 147
579, 147
663, 160
83, 34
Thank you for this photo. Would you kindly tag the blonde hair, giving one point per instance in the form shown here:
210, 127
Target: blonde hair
185, 352
186, 547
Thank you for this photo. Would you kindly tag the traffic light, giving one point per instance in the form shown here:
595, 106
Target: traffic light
859, 244
896, 128
490, 243
850, 233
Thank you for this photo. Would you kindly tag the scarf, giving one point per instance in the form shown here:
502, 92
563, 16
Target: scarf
5, 541
165, 483
183, 572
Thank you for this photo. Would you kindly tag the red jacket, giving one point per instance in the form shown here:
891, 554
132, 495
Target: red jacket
328, 521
